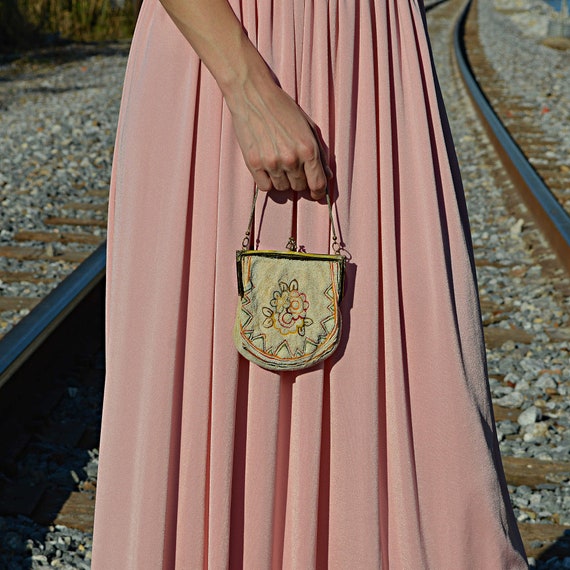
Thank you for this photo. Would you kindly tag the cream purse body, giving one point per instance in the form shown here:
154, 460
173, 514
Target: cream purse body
288, 314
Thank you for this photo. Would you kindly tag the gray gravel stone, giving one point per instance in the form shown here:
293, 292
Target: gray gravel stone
530, 416
510, 400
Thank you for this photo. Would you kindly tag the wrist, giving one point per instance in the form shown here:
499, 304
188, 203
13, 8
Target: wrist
245, 75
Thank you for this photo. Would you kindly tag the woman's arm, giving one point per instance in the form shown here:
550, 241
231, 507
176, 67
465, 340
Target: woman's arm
276, 137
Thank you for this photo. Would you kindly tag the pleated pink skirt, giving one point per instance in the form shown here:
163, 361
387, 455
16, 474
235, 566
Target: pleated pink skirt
384, 456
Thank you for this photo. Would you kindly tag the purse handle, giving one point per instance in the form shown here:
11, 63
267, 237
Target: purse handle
291, 244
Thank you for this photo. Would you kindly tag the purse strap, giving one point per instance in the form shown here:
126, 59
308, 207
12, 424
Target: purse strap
291, 244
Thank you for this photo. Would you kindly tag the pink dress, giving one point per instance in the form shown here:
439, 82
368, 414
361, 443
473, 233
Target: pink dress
384, 456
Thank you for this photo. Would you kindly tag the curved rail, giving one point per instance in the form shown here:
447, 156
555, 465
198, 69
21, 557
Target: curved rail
20, 342
553, 220
430, 5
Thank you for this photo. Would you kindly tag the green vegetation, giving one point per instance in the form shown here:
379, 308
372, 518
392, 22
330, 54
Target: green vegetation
24, 23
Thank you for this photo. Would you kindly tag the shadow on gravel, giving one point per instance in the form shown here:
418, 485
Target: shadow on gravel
49, 90
13, 554
559, 550
13, 65
15, 535
50, 419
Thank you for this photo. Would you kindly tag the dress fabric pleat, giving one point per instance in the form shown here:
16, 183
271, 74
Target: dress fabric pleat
385, 456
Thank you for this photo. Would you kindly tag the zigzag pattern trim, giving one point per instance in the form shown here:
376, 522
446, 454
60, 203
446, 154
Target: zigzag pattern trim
259, 340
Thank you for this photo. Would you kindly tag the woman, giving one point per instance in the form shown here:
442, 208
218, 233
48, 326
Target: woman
384, 456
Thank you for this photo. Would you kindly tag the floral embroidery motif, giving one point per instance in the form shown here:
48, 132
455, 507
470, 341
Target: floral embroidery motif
289, 313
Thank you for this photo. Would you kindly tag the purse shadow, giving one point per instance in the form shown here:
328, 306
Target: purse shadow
345, 308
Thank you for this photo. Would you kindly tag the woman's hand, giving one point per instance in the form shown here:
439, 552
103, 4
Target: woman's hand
277, 139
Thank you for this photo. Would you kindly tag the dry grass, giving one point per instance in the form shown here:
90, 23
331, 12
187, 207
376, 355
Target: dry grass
28, 21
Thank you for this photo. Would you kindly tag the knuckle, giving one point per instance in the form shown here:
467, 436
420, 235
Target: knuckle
254, 161
308, 150
298, 183
271, 163
318, 183
290, 160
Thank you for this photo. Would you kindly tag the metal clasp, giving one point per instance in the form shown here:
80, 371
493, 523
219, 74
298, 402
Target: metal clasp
291, 244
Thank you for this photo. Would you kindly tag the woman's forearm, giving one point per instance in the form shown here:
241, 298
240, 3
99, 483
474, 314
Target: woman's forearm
277, 139
218, 38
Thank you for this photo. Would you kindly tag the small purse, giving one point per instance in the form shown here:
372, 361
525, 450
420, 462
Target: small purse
288, 315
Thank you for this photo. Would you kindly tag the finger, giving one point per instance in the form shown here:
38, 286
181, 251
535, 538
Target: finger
316, 178
315, 164
324, 160
318, 195
262, 180
297, 180
279, 180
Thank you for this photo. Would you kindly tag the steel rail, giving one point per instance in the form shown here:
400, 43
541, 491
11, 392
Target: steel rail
430, 5
551, 217
29, 334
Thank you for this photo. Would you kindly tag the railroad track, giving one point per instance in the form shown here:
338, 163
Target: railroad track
513, 125
52, 268
544, 185
53, 193
38, 260
50, 420
73, 237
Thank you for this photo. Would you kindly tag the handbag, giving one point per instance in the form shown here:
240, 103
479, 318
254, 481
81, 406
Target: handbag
288, 315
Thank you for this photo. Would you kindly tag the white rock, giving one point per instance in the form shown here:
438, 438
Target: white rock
530, 416
546, 381
523, 385
517, 227
512, 400
535, 431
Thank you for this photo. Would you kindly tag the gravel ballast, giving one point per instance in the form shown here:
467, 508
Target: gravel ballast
57, 125
57, 131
